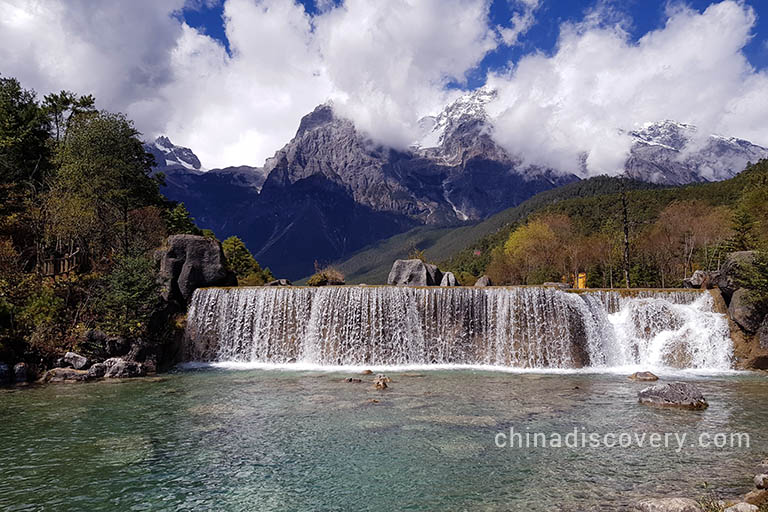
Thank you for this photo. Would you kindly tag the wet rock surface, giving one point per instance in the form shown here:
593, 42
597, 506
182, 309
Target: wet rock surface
676, 394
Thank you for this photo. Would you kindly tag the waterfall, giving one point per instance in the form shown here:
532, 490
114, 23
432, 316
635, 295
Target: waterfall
526, 327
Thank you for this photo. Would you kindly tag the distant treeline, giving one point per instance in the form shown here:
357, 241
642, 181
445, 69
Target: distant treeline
670, 233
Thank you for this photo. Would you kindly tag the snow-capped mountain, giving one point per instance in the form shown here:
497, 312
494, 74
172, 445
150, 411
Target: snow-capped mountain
168, 154
331, 190
674, 153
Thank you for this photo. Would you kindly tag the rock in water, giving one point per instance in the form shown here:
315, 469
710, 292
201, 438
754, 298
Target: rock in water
484, 281
668, 505
643, 376
414, 273
189, 262
381, 381
744, 311
761, 481
5, 374
20, 373
118, 368
449, 280
76, 361
676, 394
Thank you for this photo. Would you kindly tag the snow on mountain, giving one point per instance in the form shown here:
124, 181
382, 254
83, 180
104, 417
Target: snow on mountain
172, 154
674, 153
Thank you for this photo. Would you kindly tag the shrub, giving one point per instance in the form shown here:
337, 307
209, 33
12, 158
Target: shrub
328, 276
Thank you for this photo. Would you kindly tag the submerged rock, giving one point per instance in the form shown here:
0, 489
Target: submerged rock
668, 505
189, 262
676, 394
643, 377
484, 281
353, 380
414, 273
761, 481
367, 372
449, 280
5, 374
118, 368
20, 373
76, 361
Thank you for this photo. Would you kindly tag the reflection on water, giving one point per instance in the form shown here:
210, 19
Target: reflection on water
212, 439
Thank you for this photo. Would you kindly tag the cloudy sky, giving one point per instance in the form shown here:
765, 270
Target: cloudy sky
232, 78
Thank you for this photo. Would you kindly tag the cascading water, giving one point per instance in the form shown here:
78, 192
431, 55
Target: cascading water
513, 327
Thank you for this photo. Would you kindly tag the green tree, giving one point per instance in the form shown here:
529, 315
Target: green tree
24, 134
104, 174
180, 222
130, 296
62, 107
243, 264
743, 226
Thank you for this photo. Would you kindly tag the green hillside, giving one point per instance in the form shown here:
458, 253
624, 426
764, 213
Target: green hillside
372, 264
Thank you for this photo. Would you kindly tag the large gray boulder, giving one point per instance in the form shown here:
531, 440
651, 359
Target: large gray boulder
65, 375
744, 312
74, 360
675, 394
668, 505
189, 262
726, 279
5, 374
449, 280
414, 273
701, 279
484, 281
119, 368
97, 371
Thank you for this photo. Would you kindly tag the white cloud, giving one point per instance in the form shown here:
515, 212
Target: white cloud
552, 109
383, 63
521, 22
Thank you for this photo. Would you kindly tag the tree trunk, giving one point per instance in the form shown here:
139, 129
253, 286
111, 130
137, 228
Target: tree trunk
626, 231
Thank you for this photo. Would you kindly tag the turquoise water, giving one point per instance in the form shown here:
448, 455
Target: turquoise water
215, 439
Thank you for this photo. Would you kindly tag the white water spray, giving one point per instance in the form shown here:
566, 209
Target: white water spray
508, 327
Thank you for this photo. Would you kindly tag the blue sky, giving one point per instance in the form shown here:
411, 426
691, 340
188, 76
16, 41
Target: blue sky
571, 76
638, 18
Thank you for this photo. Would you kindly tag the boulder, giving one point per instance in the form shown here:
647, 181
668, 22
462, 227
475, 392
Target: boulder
119, 368
414, 273
97, 371
743, 311
676, 394
449, 280
484, 281
189, 262
352, 380
726, 279
643, 377
668, 505
76, 361
701, 279
279, 282
762, 334
65, 375
758, 497
381, 381
20, 373
761, 481
5, 374
742, 507
144, 353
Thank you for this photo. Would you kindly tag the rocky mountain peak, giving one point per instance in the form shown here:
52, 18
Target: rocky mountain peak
167, 154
